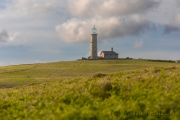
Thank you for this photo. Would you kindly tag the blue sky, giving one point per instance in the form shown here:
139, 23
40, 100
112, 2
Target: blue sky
59, 30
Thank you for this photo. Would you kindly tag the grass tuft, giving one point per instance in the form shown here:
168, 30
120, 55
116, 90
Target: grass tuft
101, 88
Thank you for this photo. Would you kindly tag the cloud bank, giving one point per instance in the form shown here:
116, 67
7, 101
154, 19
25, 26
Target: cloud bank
174, 26
76, 30
6, 37
72, 20
113, 18
41, 28
108, 8
3, 36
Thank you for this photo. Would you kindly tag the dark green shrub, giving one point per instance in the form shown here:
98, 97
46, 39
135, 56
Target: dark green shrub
98, 75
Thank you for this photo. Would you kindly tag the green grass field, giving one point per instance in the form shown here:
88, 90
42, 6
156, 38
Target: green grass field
91, 90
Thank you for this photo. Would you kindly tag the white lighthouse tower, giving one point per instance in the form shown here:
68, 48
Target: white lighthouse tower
93, 44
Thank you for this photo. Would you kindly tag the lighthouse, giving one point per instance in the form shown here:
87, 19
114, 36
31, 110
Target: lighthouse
93, 44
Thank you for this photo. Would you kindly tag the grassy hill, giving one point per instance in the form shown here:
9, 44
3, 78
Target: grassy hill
92, 89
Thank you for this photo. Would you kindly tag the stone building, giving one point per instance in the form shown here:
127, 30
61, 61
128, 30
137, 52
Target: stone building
109, 54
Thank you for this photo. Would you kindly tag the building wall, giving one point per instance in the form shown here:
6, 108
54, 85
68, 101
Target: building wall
93, 47
109, 56
177, 61
102, 55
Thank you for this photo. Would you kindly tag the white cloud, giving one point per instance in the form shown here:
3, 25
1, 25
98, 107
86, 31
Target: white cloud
3, 36
113, 18
6, 37
14, 36
37, 23
76, 30
73, 20
73, 30
108, 8
139, 44
175, 25
163, 14
28, 7
34, 21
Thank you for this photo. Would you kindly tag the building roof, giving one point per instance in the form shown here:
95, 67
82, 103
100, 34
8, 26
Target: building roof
109, 52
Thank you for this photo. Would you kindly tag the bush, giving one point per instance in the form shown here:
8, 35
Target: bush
98, 75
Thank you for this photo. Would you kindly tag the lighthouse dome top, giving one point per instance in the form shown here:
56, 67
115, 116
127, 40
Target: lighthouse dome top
94, 30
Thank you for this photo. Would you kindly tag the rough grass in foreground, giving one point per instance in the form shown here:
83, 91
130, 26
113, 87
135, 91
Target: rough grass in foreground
146, 94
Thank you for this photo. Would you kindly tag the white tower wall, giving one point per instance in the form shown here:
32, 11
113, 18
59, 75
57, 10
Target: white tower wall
93, 46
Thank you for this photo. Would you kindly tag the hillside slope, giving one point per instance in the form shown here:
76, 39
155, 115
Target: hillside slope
127, 90
26, 74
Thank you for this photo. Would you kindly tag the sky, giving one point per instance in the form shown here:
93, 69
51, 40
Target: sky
36, 31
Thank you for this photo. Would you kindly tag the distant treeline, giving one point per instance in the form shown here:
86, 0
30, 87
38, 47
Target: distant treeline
160, 60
